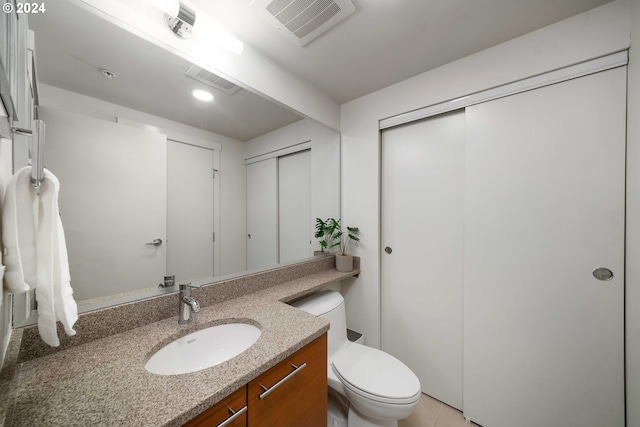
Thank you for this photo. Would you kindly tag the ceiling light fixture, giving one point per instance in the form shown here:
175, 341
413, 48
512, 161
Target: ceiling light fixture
202, 95
179, 17
107, 74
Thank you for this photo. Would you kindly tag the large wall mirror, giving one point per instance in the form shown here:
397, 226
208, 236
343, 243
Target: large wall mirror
155, 182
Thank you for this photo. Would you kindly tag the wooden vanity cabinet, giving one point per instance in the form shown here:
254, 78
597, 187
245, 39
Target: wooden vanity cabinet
224, 411
294, 392
291, 394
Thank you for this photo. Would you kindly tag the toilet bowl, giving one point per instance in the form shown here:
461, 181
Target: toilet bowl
378, 388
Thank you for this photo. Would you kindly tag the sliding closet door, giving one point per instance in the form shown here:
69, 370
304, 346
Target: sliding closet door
294, 206
544, 210
422, 228
262, 213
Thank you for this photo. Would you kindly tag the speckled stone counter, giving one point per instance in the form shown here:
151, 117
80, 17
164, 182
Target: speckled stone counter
103, 382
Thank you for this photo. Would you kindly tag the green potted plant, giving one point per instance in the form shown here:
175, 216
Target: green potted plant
344, 260
329, 233
325, 231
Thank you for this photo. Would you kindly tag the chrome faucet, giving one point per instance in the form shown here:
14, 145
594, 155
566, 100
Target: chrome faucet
187, 303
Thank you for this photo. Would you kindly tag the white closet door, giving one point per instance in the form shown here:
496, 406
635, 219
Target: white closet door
294, 201
113, 200
262, 213
543, 338
189, 211
422, 223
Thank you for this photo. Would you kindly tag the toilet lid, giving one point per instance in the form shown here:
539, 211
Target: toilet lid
376, 373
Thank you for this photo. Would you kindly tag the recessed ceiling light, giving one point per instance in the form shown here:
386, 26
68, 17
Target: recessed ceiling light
202, 95
108, 74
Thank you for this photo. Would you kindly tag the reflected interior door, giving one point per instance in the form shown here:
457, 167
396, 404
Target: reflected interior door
113, 200
189, 211
262, 213
294, 206
544, 208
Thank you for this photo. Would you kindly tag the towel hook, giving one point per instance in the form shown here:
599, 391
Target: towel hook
37, 153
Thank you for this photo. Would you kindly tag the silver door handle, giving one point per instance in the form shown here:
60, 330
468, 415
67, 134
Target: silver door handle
233, 417
155, 242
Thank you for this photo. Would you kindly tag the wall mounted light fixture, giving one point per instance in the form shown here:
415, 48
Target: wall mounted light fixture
182, 24
179, 17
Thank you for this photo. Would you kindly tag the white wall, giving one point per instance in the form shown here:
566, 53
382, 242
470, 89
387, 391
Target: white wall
632, 295
588, 35
5, 299
251, 69
325, 161
231, 171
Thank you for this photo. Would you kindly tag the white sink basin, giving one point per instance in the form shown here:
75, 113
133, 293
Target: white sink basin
203, 349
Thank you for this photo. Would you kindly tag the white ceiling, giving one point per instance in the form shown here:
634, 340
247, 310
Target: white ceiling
386, 41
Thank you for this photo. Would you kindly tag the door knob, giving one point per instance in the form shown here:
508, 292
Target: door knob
249, 236
155, 242
388, 250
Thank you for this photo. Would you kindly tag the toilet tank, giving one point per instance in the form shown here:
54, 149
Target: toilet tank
330, 306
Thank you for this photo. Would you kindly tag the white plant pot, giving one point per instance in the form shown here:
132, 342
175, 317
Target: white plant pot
344, 263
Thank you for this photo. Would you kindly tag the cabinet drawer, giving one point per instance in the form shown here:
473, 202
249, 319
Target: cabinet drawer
294, 392
223, 411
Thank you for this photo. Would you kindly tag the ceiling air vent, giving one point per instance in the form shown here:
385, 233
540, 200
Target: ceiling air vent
210, 79
304, 20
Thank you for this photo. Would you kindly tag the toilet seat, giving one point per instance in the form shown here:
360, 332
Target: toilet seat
376, 375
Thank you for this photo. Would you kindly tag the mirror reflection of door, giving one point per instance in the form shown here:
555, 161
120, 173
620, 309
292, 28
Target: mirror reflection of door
176, 205
262, 213
294, 206
279, 209
108, 227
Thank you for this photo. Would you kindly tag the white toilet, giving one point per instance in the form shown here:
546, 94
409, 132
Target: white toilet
378, 388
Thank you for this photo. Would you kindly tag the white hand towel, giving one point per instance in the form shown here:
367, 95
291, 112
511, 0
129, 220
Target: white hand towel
2, 267
54, 293
37, 253
18, 233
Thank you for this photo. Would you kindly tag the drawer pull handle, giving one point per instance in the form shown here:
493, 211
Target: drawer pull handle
279, 383
233, 417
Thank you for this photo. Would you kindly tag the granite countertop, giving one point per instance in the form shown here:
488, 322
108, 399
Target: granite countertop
103, 382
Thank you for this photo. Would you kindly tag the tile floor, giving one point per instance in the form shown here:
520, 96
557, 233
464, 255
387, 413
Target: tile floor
433, 413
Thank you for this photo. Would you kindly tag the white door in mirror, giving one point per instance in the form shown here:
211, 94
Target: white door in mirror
203, 349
